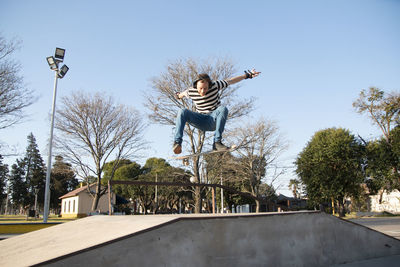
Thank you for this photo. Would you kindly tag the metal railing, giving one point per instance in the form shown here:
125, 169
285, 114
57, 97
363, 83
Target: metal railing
213, 188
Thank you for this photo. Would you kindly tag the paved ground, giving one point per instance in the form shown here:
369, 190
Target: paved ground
390, 261
271, 239
386, 225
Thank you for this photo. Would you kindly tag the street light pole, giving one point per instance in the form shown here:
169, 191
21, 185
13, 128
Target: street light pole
58, 73
222, 197
36, 193
156, 196
47, 189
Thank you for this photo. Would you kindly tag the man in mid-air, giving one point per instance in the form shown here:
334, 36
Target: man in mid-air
210, 115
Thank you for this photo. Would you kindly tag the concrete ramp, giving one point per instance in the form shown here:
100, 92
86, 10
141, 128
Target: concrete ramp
265, 239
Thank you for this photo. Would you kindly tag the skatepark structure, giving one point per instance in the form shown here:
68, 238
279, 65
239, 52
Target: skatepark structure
306, 238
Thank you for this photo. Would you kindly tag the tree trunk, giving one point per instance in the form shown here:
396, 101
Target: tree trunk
257, 206
95, 201
96, 196
197, 199
381, 195
342, 210
197, 189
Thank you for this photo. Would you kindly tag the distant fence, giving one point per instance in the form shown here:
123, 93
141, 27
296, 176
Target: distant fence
213, 188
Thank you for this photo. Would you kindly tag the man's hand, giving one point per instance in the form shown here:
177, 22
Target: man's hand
180, 95
248, 75
251, 74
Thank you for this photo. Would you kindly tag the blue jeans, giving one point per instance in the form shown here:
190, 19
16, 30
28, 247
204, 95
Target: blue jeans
213, 121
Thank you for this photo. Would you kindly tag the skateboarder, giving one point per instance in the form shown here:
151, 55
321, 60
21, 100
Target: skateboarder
210, 115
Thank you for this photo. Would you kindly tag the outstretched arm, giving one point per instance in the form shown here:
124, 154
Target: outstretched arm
248, 75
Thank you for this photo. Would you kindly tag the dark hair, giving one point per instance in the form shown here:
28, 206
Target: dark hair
202, 77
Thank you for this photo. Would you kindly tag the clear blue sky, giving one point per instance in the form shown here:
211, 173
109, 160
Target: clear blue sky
315, 57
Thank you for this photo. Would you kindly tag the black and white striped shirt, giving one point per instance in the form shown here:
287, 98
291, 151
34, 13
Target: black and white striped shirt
211, 100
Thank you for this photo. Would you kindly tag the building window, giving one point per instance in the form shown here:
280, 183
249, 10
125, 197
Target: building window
73, 207
69, 206
65, 206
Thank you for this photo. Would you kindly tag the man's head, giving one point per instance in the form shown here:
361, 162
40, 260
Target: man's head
202, 83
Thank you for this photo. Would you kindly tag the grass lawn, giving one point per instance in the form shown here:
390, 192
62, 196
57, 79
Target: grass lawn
18, 224
22, 219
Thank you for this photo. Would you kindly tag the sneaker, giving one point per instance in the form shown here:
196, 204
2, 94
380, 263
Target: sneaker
177, 148
218, 146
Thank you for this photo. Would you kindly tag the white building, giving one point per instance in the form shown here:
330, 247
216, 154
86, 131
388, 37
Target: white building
390, 202
78, 203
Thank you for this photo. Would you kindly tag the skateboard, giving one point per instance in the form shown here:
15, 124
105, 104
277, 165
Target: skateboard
186, 158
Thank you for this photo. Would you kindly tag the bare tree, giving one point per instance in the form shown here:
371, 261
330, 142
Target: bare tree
92, 129
179, 76
260, 146
14, 96
295, 186
384, 110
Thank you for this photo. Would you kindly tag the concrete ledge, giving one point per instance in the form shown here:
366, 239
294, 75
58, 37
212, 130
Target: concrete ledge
264, 239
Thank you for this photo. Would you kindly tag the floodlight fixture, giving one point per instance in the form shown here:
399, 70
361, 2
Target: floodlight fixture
64, 69
59, 54
52, 63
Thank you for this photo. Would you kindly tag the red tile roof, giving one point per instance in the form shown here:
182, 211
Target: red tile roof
75, 192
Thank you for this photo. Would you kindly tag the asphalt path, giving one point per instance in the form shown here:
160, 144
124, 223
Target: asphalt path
387, 225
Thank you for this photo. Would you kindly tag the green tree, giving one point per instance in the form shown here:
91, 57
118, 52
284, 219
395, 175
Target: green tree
330, 167
167, 197
27, 175
155, 169
383, 163
384, 111
126, 170
395, 138
18, 186
35, 171
395, 150
3, 180
62, 180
